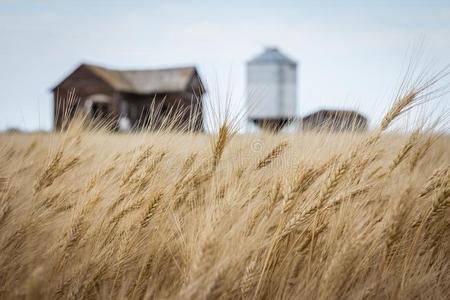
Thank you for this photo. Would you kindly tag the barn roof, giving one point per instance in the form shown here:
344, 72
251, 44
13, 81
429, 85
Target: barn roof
335, 113
144, 81
271, 55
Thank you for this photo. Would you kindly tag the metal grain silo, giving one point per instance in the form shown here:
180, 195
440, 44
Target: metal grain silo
271, 89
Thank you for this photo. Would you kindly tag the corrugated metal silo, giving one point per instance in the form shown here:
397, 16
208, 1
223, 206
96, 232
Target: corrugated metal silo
271, 89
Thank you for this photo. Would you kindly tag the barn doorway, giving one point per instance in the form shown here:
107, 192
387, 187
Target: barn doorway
99, 110
98, 107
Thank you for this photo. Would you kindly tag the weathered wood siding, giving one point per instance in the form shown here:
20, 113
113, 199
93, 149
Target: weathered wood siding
71, 94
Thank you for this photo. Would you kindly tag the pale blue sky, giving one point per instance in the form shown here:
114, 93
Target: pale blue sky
351, 53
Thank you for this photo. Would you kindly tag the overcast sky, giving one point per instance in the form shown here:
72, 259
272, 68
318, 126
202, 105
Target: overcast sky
351, 53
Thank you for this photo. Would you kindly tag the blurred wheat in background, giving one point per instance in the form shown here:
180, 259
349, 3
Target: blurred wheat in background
88, 214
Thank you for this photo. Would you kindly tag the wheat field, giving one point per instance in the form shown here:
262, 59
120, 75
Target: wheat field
89, 214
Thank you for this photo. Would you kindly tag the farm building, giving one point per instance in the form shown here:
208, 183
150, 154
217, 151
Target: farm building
272, 89
129, 99
335, 120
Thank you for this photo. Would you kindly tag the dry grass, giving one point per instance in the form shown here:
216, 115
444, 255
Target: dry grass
90, 214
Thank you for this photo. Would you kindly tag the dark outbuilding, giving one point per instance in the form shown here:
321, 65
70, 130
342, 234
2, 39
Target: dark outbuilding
335, 120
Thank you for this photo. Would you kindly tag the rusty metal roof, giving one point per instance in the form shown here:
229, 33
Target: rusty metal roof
335, 113
145, 81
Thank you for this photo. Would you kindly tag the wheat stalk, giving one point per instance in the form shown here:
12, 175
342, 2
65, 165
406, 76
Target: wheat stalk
404, 151
393, 231
434, 181
134, 166
249, 278
127, 210
47, 175
332, 181
150, 210
222, 139
441, 202
272, 155
420, 153
399, 106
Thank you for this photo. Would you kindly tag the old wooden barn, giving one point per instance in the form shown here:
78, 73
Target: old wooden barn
335, 120
130, 99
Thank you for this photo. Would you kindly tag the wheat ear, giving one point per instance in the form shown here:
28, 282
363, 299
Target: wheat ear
272, 155
420, 153
219, 147
150, 210
403, 151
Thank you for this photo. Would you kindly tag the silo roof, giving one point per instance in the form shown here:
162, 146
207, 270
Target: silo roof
271, 55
